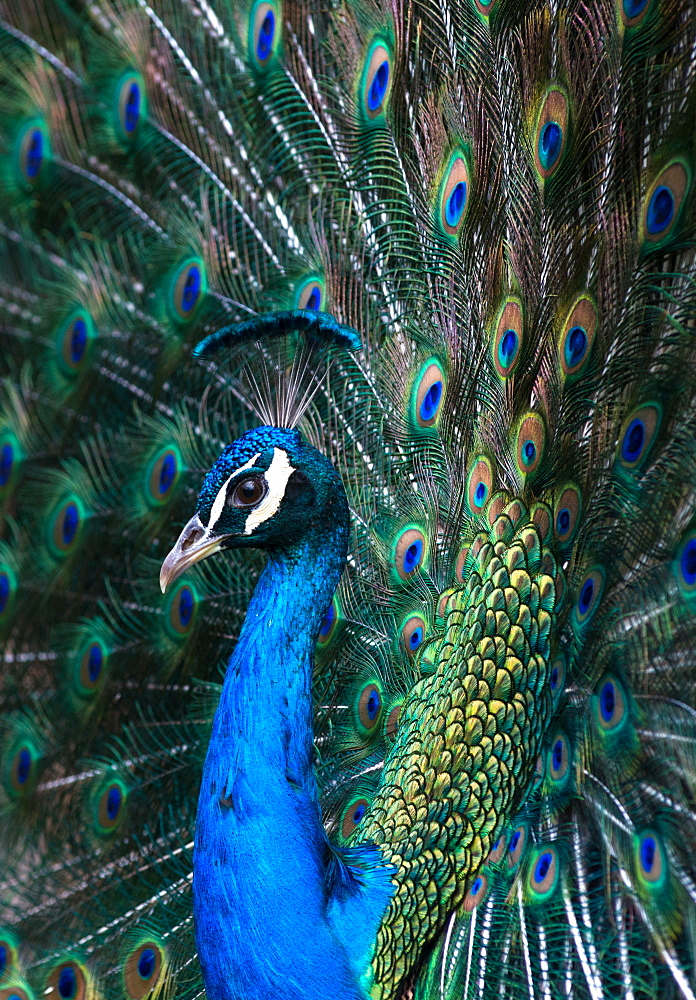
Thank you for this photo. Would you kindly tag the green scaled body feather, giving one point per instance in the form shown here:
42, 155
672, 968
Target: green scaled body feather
499, 197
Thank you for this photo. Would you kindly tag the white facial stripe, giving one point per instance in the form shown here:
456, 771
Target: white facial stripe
277, 476
219, 502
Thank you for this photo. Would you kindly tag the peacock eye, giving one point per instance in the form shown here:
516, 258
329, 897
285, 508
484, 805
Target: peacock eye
249, 492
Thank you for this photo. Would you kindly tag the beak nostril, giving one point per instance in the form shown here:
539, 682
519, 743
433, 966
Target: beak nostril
195, 535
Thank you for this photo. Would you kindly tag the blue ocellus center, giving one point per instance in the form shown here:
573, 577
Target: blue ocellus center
575, 346
508, 348
550, 140
648, 849
4, 591
431, 401
660, 210
167, 473
480, 493
633, 440
185, 606
67, 983
71, 520
34, 153
192, 289
6, 463
542, 867
327, 621
416, 638
94, 662
688, 563
374, 703
557, 755
23, 766
378, 87
113, 802
528, 452
413, 556
632, 8
266, 33
359, 813
476, 885
146, 963
455, 204
585, 598
563, 521
314, 300
131, 111
607, 701
77, 340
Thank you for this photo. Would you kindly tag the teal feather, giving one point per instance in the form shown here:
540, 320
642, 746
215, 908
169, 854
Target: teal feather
497, 201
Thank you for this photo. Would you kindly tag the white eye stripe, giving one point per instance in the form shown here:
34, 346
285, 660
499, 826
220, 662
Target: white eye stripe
277, 476
219, 502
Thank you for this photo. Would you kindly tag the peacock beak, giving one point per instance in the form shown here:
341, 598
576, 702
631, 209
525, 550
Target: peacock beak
193, 544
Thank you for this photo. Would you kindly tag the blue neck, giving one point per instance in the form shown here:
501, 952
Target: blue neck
265, 919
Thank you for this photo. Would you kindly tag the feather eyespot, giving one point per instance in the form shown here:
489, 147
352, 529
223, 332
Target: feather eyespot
22, 771
74, 342
664, 201
181, 610
329, 624
479, 484
369, 708
427, 394
8, 589
33, 151
543, 872
130, 102
162, 476
559, 759
476, 894
263, 32
66, 526
110, 806
10, 459
412, 633
685, 565
409, 553
633, 11
552, 126
187, 290
638, 436
15, 993
68, 981
516, 846
497, 850
577, 336
311, 295
143, 969
611, 706
567, 514
531, 438
353, 815
376, 80
454, 198
92, 664
507, 342
461, 564
588, 595
557, 676
391, 726
650, 858
8, 956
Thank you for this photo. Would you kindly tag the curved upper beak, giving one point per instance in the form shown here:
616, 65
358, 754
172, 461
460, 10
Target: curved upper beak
193, 544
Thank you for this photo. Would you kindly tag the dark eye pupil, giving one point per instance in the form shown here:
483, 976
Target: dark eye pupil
249, 491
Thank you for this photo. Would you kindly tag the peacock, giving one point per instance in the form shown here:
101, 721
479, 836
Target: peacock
348, 499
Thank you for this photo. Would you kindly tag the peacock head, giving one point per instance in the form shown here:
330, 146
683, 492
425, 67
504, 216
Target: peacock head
265, 491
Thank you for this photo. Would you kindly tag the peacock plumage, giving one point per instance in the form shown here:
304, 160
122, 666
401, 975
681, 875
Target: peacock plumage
348, 499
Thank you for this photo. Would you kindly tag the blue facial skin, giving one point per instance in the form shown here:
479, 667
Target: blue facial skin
265, 876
